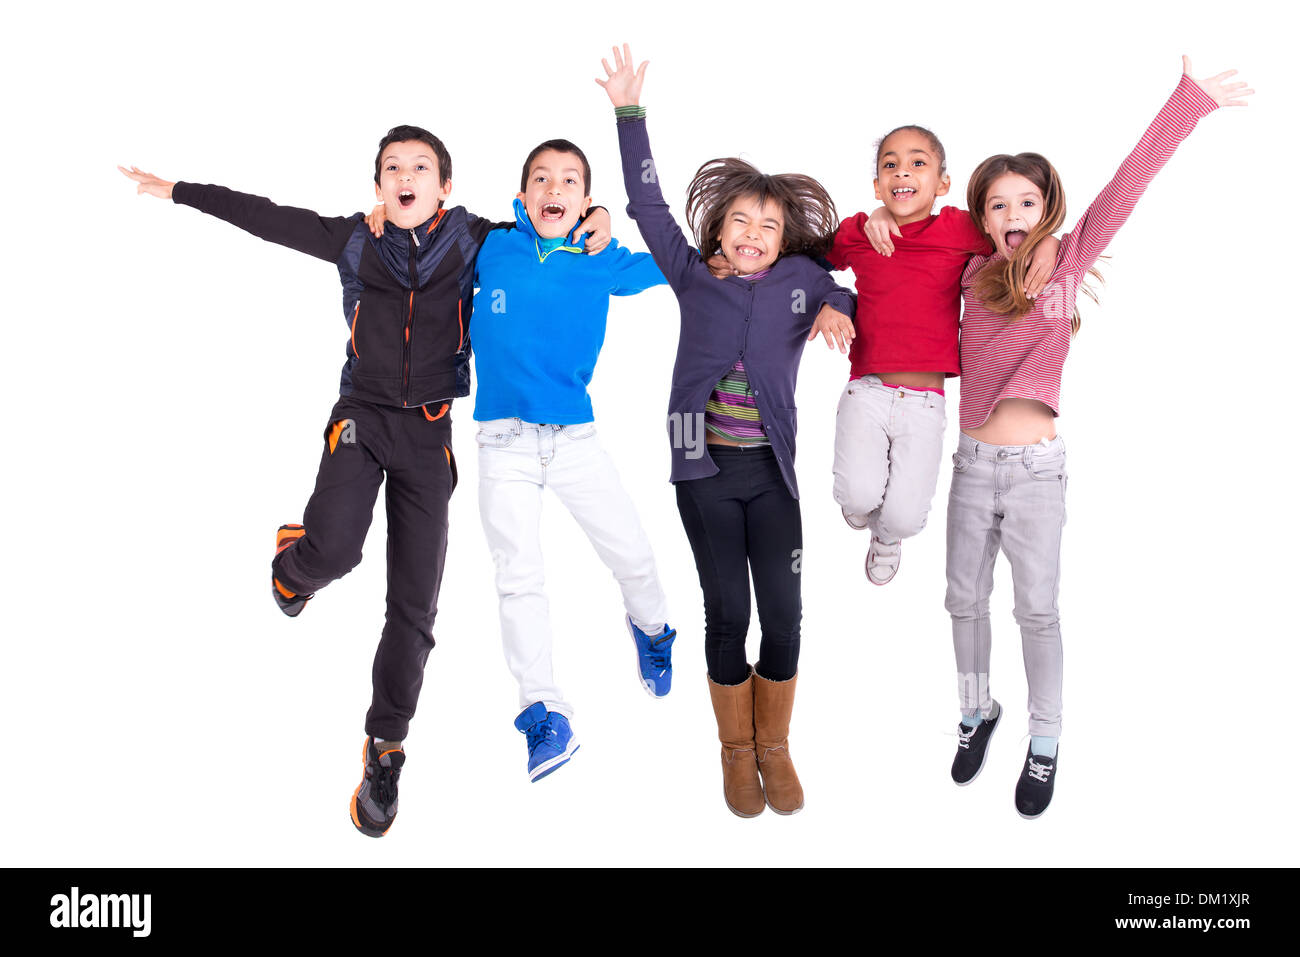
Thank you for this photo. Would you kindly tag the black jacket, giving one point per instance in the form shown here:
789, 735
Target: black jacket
407, 295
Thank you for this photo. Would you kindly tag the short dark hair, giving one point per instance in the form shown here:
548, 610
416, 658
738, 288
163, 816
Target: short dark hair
560, 146
912, 128
403, 134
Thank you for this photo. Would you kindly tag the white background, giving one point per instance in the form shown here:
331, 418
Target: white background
168, 379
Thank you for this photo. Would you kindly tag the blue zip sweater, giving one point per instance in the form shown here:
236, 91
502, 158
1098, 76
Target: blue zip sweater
765, 322
540, 321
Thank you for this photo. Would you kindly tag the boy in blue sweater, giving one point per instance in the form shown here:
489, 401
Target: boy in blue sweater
539, 324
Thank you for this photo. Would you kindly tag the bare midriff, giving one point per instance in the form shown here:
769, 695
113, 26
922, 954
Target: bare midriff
1016, 422
912, 380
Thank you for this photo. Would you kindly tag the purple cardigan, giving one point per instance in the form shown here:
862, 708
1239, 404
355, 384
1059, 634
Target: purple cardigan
765, 323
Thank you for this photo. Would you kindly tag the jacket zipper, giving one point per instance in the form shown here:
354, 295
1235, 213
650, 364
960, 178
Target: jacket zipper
410, 321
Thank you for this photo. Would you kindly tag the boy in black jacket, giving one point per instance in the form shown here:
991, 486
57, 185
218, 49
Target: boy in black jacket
407, 298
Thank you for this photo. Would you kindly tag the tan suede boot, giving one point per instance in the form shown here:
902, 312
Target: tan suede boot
733, 706
773, 702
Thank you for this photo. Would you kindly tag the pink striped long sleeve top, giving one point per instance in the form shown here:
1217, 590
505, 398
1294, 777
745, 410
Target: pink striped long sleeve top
1023, 359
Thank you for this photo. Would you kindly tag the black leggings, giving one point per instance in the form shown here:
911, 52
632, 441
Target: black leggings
741, 521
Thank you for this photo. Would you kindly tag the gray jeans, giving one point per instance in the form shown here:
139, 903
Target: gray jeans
1007, 497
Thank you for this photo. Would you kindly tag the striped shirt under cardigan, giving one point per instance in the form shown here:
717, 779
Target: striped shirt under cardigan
1023, 358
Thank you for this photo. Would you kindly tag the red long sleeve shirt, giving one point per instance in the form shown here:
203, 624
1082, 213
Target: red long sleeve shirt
908, 303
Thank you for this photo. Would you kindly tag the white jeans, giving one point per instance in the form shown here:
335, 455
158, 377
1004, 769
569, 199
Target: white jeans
517, 461
888, 449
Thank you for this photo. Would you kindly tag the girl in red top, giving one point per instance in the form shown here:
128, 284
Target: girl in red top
890, 420
1009, 477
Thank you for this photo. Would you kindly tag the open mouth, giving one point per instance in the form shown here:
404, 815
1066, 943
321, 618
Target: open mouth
753, 252
904, 192
552, 212
406, 198
1014, 238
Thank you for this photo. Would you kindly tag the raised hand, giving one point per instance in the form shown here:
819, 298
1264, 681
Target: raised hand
624, 84
1225, 94
148, 183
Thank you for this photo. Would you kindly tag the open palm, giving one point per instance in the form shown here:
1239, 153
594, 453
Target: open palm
1225, 94
624, 83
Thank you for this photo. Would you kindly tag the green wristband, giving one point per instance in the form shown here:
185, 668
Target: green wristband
629, 112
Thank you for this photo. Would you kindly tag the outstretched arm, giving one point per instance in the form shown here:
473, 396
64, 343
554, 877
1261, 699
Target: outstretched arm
321, 236
645, 200
1192, 100
148, 183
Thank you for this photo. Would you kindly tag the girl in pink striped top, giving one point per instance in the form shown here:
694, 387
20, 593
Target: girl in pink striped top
1008, 486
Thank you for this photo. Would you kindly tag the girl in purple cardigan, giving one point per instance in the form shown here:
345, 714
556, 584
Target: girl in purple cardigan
731, 421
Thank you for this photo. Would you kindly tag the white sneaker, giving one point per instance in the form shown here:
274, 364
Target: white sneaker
850, 520
882, 561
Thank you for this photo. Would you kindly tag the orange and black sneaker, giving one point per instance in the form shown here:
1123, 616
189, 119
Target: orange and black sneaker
288, 602
374, 802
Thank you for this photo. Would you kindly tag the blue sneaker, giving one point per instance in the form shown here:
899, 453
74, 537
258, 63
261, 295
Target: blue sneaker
551, 741
654, 658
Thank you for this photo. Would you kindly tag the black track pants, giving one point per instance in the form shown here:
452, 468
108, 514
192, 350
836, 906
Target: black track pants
364, 443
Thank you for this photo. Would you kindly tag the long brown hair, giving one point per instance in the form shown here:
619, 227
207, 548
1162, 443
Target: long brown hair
810, 218
1000, 285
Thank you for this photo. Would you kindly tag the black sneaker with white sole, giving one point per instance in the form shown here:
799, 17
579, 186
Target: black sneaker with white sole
973, 747
1034, 790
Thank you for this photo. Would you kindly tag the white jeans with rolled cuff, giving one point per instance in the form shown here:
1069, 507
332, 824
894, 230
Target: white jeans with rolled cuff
888, 451
518, 461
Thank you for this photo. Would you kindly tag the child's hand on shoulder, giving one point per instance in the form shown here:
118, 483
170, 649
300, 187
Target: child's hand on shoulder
624, 83
721, 266
148, 183
1225, 94
1041, 266
376, 219
877, 229
835, 327
597, 228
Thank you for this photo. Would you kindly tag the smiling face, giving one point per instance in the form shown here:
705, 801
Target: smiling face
908, 177
556, 196
410, 184
752, 233
1012, 208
